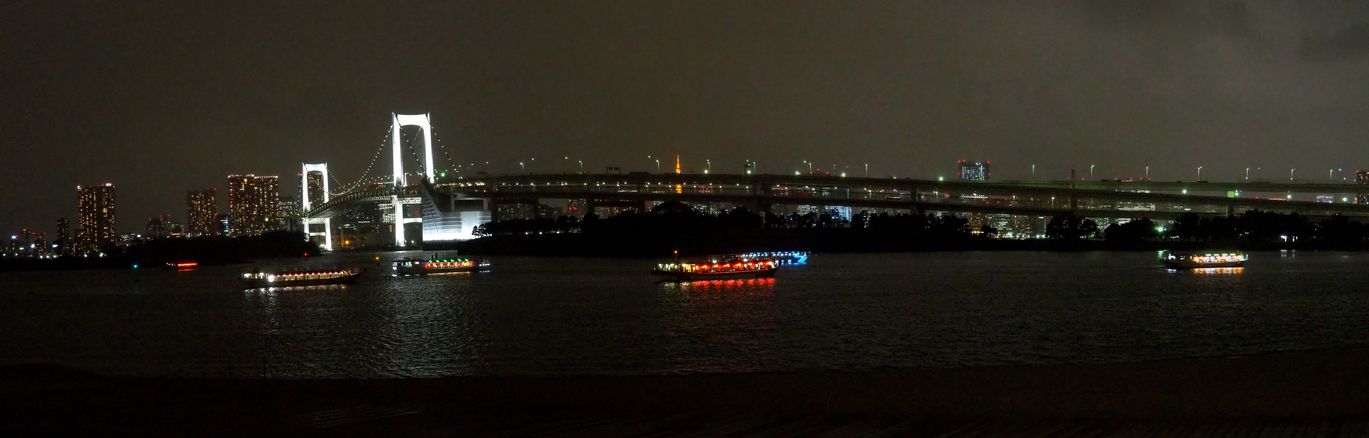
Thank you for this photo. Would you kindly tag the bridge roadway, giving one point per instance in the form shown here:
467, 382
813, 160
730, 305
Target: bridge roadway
1042, 198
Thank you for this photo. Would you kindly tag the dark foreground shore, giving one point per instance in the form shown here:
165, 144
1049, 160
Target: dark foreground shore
1293, 394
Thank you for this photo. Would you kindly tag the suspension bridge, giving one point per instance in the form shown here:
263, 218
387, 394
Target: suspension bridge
452, 207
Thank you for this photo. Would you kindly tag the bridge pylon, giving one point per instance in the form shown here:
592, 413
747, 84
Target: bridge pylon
307, 202
399, 121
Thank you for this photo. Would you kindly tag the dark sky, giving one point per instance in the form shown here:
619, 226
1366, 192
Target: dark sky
162, 97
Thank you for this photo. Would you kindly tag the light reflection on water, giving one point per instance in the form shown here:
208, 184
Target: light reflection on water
606, 316
1208, 271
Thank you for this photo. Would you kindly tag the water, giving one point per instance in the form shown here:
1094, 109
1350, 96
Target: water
549, 316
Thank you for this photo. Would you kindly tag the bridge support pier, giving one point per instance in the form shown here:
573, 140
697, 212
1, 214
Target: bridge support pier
400, 242
327, 231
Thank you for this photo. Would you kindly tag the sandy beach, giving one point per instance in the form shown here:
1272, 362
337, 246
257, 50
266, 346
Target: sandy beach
1296, 394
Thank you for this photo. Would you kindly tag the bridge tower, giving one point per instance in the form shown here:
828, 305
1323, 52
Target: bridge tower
320, 192
400, 121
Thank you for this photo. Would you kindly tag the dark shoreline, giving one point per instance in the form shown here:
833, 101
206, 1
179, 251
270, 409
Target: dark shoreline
1320, 389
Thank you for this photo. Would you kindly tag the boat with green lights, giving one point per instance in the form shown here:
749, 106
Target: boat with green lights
439, 265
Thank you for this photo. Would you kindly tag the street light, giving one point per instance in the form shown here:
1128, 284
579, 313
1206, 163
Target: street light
582, 166
1091, 171
522, 167
1247, 174
1290, 173
658, 165
1200, 173
1033, 170
709, 164
867, 170
1147, 173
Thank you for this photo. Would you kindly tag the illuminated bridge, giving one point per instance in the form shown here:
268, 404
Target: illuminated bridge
1155, 200
451, 208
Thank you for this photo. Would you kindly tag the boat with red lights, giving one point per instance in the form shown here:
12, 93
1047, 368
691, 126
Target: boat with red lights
301, 277
1203, 259
182, 265
439, 265
716, 269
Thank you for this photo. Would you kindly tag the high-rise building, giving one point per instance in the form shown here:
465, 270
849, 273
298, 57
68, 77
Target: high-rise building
63, 235
95, 208
290, 212
158, 227
202, 210
1362, 177
253, 204
221, 224
973, 170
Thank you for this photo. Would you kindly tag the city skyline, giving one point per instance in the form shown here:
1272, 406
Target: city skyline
908, 88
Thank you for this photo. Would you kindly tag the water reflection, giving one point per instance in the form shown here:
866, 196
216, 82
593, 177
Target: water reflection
744, 286
719, 325
1217, 271
545, 316
278, 289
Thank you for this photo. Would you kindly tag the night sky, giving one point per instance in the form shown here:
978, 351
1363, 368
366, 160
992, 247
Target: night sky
161, 98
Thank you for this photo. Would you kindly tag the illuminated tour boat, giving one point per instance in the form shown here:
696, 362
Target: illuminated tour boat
301, 277
781, 257
717, 269
437, 265
182, 265
1200, 260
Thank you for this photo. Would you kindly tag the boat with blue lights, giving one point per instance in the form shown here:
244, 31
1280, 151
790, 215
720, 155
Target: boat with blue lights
782, 257
1203, 259
439, 265
716, 269
301, 277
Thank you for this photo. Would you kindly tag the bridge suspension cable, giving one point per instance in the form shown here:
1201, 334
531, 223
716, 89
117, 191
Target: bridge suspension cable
362, 179
450, 163
409, 144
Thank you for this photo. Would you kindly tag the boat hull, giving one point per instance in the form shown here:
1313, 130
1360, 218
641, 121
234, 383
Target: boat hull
1186, 264
419, 270
262, 283
672, 276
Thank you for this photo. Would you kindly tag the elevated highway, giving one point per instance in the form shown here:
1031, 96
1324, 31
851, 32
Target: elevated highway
1115, 199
